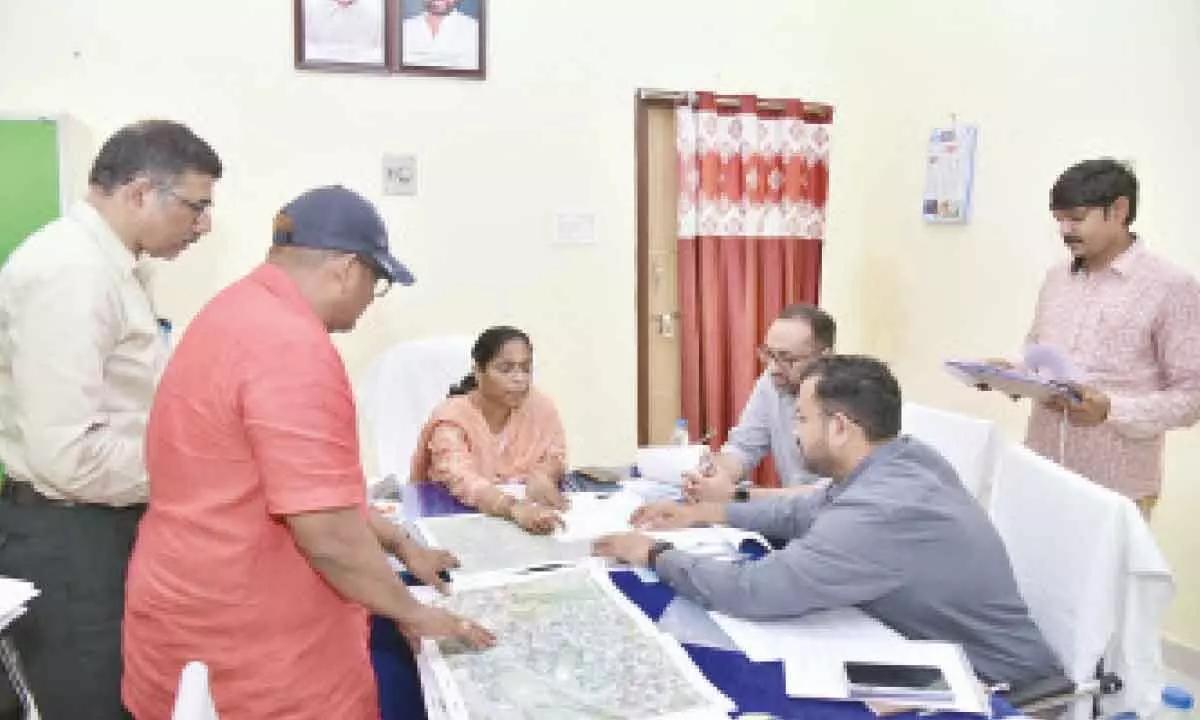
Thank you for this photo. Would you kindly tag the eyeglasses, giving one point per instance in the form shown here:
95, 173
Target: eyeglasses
199, 207
784, 360
382, 282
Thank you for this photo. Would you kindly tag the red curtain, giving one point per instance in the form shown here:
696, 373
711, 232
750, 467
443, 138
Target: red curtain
753, 183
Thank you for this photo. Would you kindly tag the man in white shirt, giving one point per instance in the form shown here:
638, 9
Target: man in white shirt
440, 37
349, 31
81, 350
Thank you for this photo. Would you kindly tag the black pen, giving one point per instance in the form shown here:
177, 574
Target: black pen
545, 567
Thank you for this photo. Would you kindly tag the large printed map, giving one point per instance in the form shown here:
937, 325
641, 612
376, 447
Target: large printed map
570, 646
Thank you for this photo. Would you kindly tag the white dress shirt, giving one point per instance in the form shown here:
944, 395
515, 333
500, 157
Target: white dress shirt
339, 32
455, 46
80, 356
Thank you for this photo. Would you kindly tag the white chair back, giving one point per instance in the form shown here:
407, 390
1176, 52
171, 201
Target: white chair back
968, 443
402, 388
193, 700
1076, 549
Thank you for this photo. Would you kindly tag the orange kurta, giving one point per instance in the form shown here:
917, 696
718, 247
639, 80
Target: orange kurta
457, 448
253, 421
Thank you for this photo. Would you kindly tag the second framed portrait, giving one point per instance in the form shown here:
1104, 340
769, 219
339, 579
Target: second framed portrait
441, 37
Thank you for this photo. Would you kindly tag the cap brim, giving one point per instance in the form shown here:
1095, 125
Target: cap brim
396, 270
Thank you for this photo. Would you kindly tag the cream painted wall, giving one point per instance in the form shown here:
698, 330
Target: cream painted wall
552, 128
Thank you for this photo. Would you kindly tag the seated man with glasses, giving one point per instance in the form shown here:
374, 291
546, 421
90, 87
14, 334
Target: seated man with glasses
798, 336
895, 534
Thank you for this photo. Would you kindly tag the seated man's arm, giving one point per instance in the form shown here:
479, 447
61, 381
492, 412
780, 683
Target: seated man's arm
750, 440
782, 516
844, 560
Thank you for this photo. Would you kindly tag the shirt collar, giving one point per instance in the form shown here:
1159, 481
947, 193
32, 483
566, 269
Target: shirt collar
106, 238
1125, 262
281, 285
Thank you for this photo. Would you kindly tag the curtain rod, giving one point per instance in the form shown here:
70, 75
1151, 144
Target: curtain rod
679, 97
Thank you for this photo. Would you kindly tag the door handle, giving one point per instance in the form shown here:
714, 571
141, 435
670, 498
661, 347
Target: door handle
666, 324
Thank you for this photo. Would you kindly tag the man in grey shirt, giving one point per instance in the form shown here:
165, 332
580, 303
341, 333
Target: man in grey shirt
799, 335
895, 534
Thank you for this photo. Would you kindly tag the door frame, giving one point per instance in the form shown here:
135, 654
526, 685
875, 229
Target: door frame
644, 102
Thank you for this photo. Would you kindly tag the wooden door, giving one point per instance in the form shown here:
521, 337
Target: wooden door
658, 294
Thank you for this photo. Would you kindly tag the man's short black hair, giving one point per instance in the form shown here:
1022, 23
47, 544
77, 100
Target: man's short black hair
1095, 184
824, 329
861, 388
158, 149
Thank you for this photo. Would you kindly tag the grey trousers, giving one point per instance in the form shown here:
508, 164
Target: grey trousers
70, 639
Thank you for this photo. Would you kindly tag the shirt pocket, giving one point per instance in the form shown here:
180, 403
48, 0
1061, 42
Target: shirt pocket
1124, 345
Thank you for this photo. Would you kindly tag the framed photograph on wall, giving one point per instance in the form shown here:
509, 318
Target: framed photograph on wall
344, 35
441, 37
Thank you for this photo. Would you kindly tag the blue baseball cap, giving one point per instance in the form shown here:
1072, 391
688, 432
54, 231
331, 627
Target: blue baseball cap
334, 218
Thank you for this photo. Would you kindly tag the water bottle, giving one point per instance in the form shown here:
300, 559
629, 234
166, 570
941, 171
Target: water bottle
1177, 704
679, 436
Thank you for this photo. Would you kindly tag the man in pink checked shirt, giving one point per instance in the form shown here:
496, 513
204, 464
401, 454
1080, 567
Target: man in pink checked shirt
1129, 323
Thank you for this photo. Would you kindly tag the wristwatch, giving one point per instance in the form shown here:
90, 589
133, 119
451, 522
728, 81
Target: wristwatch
741, 493
657, 549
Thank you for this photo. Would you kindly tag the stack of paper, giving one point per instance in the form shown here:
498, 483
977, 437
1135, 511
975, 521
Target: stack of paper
668, 463
809, 635
594, 514
14, 596
816, 648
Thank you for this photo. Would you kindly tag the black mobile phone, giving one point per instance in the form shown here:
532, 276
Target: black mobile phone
869, 679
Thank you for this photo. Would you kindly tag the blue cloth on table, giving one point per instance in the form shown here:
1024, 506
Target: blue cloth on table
429, 499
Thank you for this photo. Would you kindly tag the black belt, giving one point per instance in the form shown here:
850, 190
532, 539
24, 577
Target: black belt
20, 493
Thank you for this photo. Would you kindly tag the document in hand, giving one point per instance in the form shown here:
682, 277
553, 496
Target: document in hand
668, 463
594, 514
1011, 381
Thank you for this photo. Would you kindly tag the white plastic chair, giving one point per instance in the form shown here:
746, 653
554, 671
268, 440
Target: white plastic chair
968, 443
401, 389
1093, 577
193, 701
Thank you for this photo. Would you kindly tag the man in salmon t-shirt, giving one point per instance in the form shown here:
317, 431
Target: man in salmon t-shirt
258, 555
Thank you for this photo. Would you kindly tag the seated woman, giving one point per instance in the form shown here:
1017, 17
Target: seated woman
495, 428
